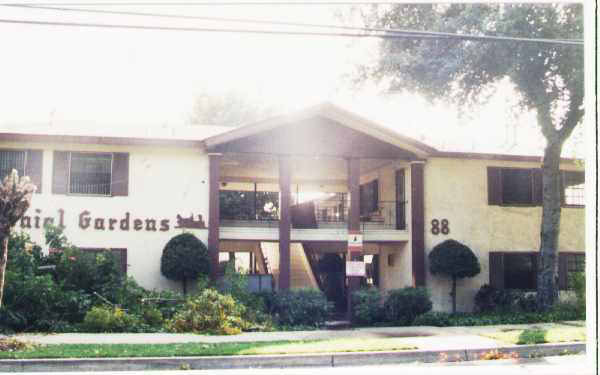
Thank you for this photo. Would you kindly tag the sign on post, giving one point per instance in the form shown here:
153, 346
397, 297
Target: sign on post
356, 268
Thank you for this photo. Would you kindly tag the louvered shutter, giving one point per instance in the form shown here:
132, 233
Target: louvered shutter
538, 193
33, 167
494, 186
60, 172
562, 271
120, 174
496, 270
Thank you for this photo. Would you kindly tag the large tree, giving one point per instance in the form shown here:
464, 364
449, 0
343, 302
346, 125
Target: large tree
547, 77
227, 108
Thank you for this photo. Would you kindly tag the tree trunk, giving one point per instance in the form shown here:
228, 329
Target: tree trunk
453, 294
184, 286
547, 277
3, 261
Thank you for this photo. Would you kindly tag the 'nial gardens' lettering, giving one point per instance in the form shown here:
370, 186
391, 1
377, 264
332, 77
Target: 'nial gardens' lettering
125, 223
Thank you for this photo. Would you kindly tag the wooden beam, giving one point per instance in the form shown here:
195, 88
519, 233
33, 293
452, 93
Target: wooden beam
285, 226
213, 212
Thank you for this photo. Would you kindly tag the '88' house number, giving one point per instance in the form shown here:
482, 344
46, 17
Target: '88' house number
436, 228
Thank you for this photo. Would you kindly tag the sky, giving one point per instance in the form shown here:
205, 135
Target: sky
90, 78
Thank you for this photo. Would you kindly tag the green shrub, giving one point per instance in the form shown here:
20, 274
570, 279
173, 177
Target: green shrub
110, 319
209, 312
402, 306
367, 306
454, 260
578, 282
299, 307
153, 317
184, 258
433, 318
489, 299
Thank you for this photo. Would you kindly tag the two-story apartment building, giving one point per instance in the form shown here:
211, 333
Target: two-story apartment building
279, 194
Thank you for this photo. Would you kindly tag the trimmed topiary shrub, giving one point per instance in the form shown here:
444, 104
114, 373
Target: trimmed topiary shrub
299, 307
209, 312
184, 258
455, 260
402, 306
367, 306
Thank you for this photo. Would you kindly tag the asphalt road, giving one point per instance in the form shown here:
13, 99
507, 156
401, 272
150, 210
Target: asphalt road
570, 365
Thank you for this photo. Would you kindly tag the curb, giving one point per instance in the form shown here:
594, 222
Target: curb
279, 361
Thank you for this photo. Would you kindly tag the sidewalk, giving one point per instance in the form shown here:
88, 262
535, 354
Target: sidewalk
426, 338
435, 344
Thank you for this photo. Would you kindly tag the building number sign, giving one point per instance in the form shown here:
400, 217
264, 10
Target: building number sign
437, 229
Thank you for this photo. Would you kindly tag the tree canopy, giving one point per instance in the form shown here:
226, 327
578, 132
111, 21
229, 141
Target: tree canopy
184, 258
227, 108
547, 78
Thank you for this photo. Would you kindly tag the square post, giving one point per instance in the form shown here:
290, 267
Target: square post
417, 229
353, 226
284, 222
214, 176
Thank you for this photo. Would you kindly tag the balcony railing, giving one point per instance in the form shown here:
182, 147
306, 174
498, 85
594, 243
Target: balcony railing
332, 214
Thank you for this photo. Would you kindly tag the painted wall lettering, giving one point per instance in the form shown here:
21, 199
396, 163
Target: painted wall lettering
86, 220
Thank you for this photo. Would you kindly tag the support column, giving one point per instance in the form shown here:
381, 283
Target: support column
353, 225
285, 226
417, 229
214, 177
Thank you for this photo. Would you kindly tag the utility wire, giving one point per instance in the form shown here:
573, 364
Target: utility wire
395, 35
296, 24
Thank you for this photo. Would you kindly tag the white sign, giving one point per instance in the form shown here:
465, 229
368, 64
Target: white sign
356, 268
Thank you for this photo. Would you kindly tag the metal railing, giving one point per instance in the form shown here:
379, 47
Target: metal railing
334, 214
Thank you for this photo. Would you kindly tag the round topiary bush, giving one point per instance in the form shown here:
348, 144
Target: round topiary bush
455, 260
184, 258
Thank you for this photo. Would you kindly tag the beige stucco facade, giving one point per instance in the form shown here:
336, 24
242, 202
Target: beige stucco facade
169, 180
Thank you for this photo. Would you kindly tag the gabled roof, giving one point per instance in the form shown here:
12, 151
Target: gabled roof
330, 112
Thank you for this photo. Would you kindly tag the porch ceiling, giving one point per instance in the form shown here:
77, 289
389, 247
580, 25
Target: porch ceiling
264, 168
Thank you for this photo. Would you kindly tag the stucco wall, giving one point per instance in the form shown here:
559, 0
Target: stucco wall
163, 182
456, 190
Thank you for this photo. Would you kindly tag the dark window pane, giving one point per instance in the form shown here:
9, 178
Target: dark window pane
90, 173
244, 205
10, 160
517, 186
575, 263
519, 271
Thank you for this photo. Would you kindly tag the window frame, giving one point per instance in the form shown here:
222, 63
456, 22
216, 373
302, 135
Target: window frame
563, 194
563, 272
25, 159
532, 202
112, 160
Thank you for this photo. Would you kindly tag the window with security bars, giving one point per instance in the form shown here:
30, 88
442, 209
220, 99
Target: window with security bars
575, 263
573, 188
9, 160
90, 173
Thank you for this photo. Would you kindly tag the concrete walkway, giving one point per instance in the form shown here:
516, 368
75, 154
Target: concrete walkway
425, 338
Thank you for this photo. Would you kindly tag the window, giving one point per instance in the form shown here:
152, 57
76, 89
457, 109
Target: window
573, 184
369, 197
518, 270
248, 205
90, 173
575, 263
517, 186
11, 159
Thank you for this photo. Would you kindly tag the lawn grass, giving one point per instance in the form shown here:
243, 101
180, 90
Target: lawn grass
199, 349
539, 335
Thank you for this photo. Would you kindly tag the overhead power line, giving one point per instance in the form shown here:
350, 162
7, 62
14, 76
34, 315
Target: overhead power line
394, 35
299, 24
